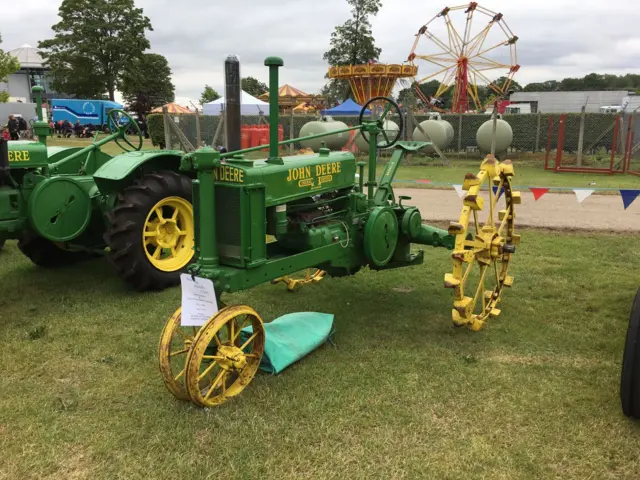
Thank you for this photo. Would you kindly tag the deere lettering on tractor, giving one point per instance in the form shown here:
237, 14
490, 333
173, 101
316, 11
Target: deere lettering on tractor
68, 204
322, 216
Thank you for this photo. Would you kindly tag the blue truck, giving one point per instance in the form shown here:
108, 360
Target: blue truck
92, 112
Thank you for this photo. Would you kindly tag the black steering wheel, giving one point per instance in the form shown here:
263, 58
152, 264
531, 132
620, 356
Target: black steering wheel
380, 121
115, 124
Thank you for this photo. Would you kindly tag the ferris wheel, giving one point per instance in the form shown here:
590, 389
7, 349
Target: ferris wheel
484, 53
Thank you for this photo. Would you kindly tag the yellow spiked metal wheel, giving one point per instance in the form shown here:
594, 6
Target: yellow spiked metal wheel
221, 362
168, 234
485, 244
173, 350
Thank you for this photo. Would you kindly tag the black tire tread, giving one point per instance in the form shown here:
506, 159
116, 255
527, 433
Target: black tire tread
46, 254
630, 375
126, 221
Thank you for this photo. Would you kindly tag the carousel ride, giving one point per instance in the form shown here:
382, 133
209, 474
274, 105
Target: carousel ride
372, 80
484, 54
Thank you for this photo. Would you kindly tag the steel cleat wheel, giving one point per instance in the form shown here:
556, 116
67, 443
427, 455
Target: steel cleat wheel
485, 244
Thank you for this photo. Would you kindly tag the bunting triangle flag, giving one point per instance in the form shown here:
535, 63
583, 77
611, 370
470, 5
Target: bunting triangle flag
495, 189
538, 192
628, 196
582, 194
459, 190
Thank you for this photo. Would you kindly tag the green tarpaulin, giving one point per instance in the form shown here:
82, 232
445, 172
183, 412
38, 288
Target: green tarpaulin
291, 337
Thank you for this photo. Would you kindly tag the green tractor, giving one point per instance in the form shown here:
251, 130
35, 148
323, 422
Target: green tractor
67, 204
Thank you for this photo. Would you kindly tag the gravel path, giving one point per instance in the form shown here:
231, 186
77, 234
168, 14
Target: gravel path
553, 210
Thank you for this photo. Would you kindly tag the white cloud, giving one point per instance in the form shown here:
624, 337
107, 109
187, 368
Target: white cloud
557, 38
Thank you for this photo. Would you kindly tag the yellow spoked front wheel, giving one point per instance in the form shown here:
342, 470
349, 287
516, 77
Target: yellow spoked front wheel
168, 234
175, 344
295, 281
223, 359
485, 244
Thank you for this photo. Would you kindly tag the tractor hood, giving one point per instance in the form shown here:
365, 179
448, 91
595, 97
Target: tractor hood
297, 177
26, 154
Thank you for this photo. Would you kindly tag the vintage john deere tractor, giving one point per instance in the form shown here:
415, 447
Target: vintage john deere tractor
321, 216
68, 204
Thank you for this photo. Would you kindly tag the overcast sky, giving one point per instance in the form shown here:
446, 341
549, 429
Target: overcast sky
558, 38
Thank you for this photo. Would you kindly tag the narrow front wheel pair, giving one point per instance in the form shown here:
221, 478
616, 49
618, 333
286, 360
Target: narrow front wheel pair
215, 363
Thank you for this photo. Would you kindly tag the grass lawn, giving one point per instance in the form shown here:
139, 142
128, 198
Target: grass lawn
403, 395
529, 172
527, 175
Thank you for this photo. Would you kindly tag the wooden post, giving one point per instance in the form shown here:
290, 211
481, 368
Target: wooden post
495, 126
614, 144
198, 133
580, 137
538, 121
549, 134
460, 133
167, 130
218, 130
224, 126
560, 146
291, 130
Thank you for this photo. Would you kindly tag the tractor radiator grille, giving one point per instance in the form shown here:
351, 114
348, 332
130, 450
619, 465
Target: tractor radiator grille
228, 222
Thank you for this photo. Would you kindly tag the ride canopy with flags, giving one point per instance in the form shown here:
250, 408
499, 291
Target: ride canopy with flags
348, 107
172, 108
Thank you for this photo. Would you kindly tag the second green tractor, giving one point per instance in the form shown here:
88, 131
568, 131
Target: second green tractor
67, 204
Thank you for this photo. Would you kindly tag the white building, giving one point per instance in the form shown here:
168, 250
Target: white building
32, 72
569, 102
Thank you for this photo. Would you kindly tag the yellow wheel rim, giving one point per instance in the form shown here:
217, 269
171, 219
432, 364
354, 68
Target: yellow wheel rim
221, 363
168, 234
175, 343
485, 244
173, 351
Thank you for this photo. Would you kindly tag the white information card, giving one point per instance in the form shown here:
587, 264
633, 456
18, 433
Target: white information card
198, 300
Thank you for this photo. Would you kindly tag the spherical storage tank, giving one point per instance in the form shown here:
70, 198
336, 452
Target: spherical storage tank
327, 124
440, 133
504, 136
391, 129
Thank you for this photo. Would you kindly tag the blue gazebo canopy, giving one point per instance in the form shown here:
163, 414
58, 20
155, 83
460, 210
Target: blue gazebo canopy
348, 107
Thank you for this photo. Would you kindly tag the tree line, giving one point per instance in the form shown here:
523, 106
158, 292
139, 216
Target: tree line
100, 46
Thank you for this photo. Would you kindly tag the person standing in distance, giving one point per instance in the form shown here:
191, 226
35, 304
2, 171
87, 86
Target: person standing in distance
14, 128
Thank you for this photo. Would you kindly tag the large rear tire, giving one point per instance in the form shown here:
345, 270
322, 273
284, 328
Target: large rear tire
47, 254
151, 236
630, 376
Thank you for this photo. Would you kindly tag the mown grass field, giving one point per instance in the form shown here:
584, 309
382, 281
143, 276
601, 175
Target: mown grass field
402, 395
529, 170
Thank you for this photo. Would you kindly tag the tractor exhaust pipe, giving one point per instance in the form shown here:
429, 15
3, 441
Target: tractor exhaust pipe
233, 101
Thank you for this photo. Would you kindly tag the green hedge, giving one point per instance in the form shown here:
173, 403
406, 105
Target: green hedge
524, 129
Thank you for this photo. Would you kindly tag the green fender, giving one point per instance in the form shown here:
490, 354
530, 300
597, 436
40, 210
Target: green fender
122, 170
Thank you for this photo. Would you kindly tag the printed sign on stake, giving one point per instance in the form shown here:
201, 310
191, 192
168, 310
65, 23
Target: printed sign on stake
199, 302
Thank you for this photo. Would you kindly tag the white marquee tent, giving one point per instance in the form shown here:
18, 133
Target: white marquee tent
249, 106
